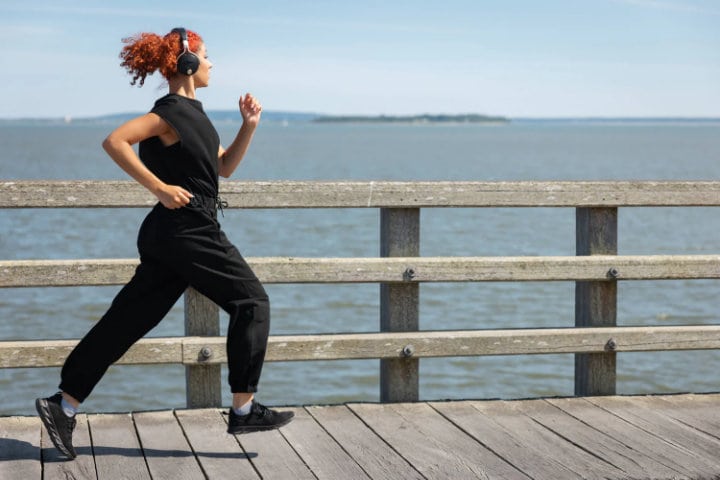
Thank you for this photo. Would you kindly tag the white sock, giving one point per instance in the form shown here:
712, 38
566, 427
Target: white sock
244, 410
69, 410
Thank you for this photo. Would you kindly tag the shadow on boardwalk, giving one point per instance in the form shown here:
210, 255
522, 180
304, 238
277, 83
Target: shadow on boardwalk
638, 437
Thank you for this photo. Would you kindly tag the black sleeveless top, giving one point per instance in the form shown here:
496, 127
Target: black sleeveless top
191, 162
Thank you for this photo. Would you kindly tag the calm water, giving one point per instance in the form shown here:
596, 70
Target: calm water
373, 152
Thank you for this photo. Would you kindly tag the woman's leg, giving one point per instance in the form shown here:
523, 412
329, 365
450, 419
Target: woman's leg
215, 268
201, 253
136, 309
222, 275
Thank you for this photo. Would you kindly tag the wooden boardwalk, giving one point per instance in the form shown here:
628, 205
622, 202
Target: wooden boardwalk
638, 437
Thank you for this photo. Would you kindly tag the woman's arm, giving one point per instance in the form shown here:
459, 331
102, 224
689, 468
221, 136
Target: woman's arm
119, 146
229, 159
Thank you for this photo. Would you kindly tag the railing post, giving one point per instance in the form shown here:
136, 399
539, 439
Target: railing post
596, 302
399, 237
202, 382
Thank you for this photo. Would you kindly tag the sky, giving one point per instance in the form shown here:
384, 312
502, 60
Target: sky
517, 58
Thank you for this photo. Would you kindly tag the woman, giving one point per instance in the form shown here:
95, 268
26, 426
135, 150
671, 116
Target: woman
180, 242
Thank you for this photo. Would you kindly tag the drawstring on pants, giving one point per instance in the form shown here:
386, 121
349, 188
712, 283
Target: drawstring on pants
216, 203
220, 204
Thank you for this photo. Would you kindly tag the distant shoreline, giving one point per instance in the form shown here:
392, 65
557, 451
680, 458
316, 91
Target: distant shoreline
287, 118
425, 118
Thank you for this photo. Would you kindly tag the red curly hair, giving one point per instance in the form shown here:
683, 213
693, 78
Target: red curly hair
146, 53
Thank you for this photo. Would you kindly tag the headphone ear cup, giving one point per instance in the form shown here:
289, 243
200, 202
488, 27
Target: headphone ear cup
188, 63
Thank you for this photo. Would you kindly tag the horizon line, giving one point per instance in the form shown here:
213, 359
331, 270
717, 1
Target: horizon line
316, 114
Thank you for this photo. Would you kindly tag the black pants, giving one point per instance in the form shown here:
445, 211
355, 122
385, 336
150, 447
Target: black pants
178, 248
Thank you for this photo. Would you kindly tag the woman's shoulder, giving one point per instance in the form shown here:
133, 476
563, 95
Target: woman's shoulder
167, 106
169, 99
173, 100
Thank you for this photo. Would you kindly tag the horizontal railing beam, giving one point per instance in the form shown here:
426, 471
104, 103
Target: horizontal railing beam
211, 350
374, 194
47, 273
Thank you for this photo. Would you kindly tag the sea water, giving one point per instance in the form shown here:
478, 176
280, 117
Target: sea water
307, 151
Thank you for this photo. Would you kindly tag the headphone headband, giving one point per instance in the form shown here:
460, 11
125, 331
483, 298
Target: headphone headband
187, 62
183, 36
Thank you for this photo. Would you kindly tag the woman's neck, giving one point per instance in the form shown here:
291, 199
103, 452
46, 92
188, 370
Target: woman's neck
182, 86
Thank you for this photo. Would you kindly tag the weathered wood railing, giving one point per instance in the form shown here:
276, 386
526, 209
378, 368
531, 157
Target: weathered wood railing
596, 269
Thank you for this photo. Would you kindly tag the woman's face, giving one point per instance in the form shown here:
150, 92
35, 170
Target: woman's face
202, 76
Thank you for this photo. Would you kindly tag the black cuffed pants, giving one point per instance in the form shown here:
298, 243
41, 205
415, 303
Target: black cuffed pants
178, 248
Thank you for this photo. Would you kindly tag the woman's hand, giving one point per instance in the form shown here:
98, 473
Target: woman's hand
172, 196
250, 109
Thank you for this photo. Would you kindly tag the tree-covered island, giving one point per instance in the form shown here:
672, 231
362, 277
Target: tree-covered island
425, 118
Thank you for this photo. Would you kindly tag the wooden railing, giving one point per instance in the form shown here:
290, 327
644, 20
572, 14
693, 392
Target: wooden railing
399, 270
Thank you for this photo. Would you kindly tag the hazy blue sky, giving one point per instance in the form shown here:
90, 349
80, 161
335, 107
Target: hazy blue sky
507, 57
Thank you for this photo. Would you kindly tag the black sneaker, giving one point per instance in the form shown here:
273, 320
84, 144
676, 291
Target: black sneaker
59, 425
260, 418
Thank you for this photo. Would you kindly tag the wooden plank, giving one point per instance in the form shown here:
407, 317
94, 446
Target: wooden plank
475, 342
116, 447
61, 273
641, 413
596, 302
639, 452
649, 445
633, 463
273, 457
321, 453
431, 444
444, 343
698, 411
73, 194
219, 454
448, 343
52, 353
20, 447
530, 447
167, 452
693, 400
370, 451
504, 442
382, 194
48, 273
373, 194
56, 465
399, 303
484, 269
